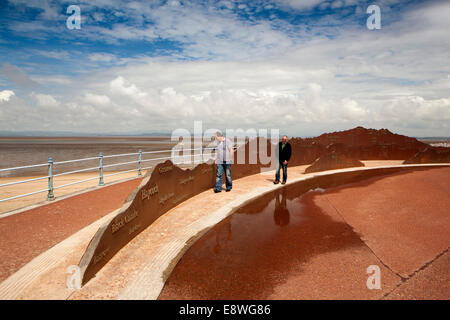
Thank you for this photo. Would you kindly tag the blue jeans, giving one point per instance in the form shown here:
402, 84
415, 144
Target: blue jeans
221, 167
277, 174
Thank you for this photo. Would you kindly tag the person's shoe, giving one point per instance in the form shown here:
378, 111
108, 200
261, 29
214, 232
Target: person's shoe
228, 190
276, 182
284, 182
217, 191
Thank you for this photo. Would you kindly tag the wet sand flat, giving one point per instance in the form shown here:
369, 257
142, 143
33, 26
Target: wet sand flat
23, 151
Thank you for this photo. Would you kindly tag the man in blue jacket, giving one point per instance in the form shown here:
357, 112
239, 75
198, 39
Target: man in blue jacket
284, 155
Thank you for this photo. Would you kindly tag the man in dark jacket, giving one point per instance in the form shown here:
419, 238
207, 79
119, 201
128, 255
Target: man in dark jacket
284, 155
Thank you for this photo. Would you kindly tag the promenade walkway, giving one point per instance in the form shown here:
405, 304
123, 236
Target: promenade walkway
11, 206
141, 268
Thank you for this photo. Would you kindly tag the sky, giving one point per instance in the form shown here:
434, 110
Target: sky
303, 67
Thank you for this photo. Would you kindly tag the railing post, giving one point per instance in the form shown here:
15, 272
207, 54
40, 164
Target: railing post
100, 181
183, 156
50, 195
139, 163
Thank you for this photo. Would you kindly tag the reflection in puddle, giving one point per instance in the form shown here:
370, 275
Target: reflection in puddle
248, 254
222, 235
281, 212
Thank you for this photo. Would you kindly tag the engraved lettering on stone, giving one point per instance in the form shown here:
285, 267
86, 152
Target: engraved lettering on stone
147, 193
184, 181
165, 198
101, 255
165, 169
180, 199
131, 216
134, 228
119, 223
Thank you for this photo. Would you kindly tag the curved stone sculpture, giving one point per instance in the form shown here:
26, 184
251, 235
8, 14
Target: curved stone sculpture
333, 160
168, 185
430, 155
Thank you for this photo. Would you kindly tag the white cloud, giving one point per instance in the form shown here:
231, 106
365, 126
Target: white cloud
299, 4
416, 107
45, 100
337, 4
5, 95
55, 54
102, 57
96, 99
52, 80
119, 85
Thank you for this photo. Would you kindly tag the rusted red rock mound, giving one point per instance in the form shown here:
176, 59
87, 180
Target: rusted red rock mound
430, 155
357, 143
361, 136
333, 160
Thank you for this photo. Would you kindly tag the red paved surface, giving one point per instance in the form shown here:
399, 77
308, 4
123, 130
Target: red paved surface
433, 282
25, 235
404, 218
318, 245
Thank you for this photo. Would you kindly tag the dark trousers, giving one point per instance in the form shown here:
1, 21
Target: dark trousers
280, 165
221, 167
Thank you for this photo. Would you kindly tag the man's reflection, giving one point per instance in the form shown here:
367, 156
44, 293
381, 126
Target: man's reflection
223, 234
281, 213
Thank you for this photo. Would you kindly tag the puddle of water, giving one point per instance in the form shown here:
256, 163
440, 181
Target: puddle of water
251, 252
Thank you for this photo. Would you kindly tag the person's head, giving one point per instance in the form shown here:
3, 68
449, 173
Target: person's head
284, 139
219, 136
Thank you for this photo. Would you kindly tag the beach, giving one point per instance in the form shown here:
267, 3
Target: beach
24, 151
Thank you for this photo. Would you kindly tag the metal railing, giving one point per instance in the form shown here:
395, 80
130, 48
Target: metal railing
51, 164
